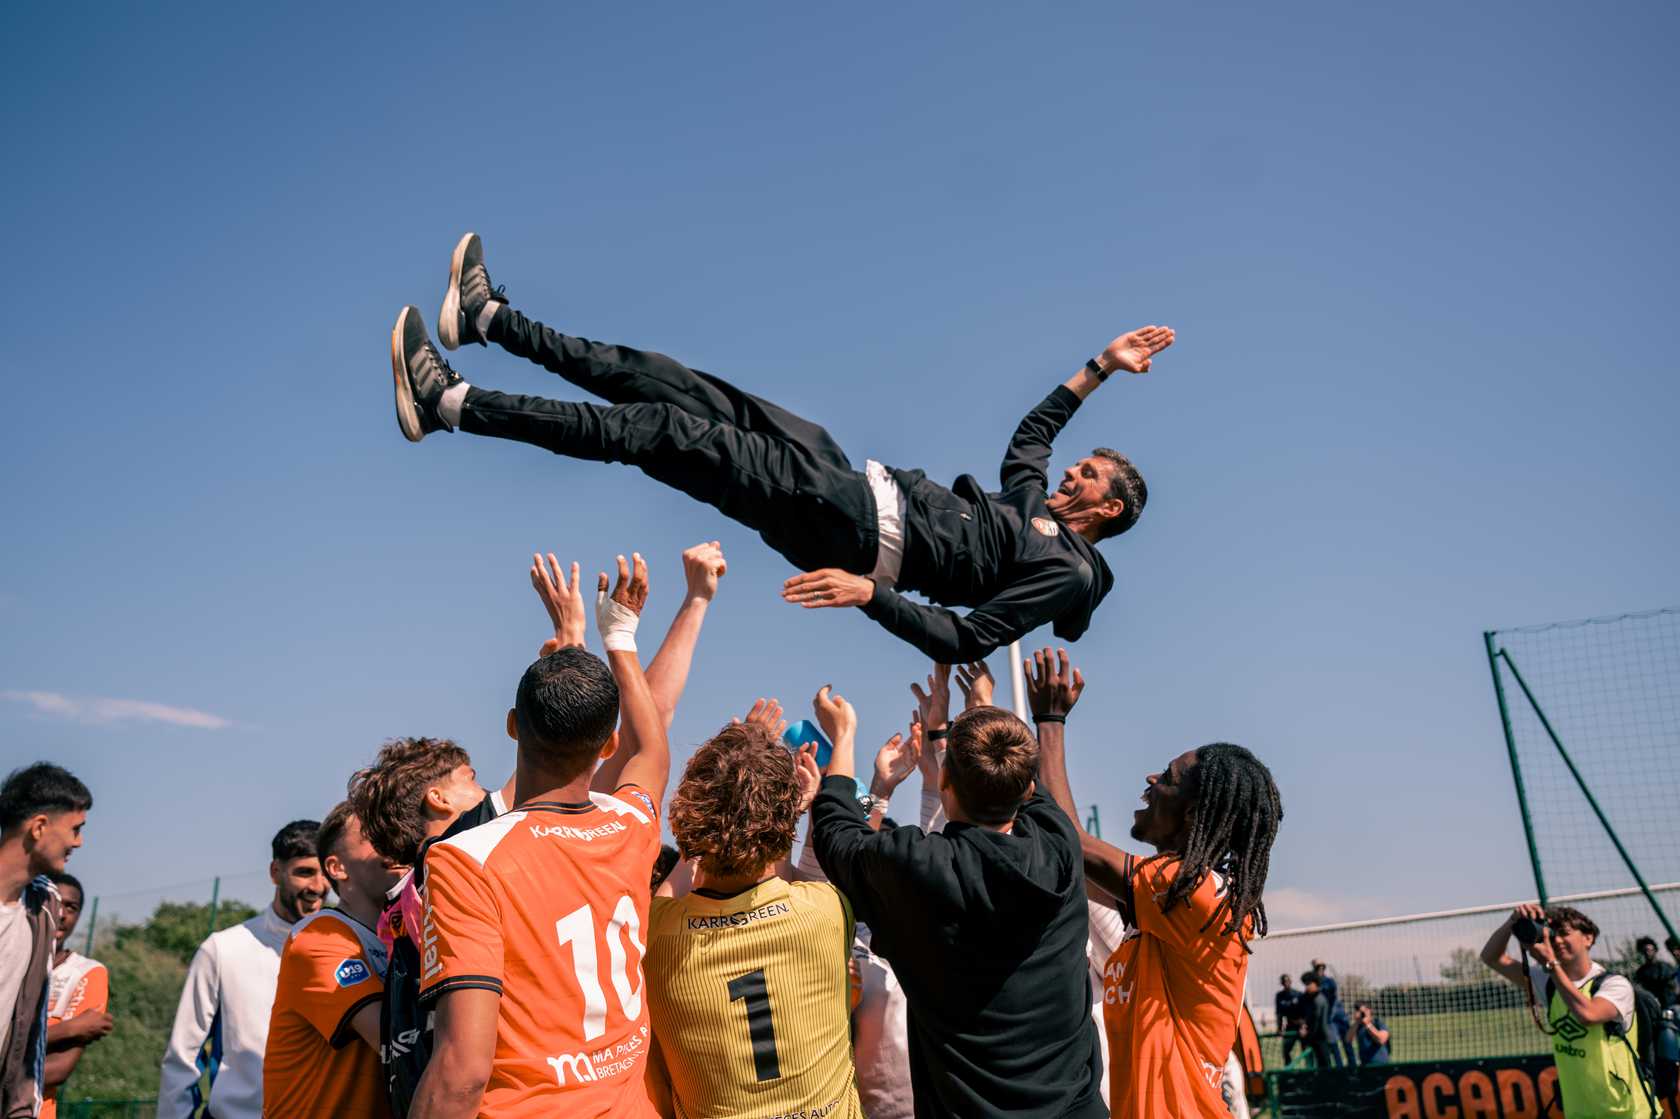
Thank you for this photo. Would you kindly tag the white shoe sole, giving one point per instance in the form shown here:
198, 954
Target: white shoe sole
408, 417
449, 318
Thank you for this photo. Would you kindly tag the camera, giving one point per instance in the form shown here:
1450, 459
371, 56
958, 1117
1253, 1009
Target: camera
1528, 930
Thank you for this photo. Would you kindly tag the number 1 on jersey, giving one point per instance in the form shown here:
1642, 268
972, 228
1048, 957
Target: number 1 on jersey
750, 989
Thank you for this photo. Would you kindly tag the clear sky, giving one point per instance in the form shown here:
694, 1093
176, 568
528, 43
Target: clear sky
1421, 261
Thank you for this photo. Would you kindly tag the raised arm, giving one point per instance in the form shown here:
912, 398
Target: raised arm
1027, 460
667, 673
641, 729
1053, 687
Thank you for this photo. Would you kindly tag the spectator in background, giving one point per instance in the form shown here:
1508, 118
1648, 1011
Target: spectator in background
322, 1056
1315, 1019
1369, 1035
229, 992
76, 1015
1654, 975
1340, 1046
1597, 1069
42, 810
1288, 1004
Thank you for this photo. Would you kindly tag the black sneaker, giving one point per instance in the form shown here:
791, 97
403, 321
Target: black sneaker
469, 290
421, 375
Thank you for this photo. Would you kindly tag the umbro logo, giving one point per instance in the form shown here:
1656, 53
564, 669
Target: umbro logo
1568, 1028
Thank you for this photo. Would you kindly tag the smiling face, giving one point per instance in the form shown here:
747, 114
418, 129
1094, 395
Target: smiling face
299, 886
1573, 946
1168, 798
52, 836
1085, 488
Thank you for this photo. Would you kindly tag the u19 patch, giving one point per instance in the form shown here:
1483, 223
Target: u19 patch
351, 972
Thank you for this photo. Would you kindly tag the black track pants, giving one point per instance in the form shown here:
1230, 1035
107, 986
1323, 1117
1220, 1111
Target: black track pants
758, 464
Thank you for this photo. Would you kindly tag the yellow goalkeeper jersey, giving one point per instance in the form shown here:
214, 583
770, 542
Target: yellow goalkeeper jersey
748, 998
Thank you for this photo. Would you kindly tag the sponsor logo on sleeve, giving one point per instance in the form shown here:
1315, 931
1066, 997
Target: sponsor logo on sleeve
1044, 526
351, 972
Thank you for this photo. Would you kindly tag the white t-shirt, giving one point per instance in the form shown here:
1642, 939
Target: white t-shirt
1616, 988
14, 961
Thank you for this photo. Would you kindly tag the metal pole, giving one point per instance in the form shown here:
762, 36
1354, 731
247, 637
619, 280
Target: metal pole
1592, 801
1093, 825
1516, 767
215, 899
1017, 682
93, 923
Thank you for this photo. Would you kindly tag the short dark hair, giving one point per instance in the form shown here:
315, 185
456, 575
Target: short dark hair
1643, 941
389, 795
295, 841
327, 836
1566, 917
62, 878
1309, 977
1285, 977
992, 759
566, 709
1126, 483
737, 807
38, 788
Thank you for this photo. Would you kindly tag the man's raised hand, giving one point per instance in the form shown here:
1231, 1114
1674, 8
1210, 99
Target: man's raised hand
897, 760
934, 705
828, 587
976, 683
562, 599
835, 715
807, 777
767, 713
1053, 686
703, 566
618, 614
1133, 351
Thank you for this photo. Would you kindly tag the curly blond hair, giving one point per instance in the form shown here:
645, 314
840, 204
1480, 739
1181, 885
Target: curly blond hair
737, 807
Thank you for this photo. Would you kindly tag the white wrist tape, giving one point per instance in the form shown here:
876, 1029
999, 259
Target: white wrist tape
617, 624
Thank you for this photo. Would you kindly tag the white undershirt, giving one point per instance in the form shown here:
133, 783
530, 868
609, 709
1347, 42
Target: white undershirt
889, 523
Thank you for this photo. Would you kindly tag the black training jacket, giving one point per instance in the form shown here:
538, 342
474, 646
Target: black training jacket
1002, 553
986, 935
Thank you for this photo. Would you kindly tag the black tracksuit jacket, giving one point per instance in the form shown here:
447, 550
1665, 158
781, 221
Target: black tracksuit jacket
986, 933
1002, 553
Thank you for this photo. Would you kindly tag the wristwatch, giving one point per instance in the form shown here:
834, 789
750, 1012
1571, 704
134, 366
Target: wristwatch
1096, 369
869, 801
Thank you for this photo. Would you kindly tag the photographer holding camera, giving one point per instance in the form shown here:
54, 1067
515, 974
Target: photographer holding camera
1588, 1013
1369, 1035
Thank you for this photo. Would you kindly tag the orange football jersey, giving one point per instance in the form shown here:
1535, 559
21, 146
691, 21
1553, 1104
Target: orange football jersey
1172, 993
78, 984
316, 1064
547, 906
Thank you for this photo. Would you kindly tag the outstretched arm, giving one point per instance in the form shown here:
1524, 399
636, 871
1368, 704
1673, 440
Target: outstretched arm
946, 636
641, 729
1052, 690
667, 673
1028, 458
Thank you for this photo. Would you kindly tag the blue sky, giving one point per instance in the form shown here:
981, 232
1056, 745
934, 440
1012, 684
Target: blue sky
1421, 262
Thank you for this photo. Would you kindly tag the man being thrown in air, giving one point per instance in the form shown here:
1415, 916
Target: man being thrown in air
1019, 557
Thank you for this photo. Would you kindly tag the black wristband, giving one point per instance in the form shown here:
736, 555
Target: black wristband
1097, 369
936, 735
1049, 718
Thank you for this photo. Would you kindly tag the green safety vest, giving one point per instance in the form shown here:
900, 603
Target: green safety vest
1597, 1072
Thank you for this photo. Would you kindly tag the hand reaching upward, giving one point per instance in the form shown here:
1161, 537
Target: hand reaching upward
976, 683
563, 599
1133, 351
897, 760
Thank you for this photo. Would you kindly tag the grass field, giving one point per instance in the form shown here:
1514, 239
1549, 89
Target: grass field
1507, 1032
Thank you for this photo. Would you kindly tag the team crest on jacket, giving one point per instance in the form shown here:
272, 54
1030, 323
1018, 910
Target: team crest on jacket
1045, 526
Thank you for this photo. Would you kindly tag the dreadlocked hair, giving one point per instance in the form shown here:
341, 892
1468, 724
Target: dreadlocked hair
1232, 828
